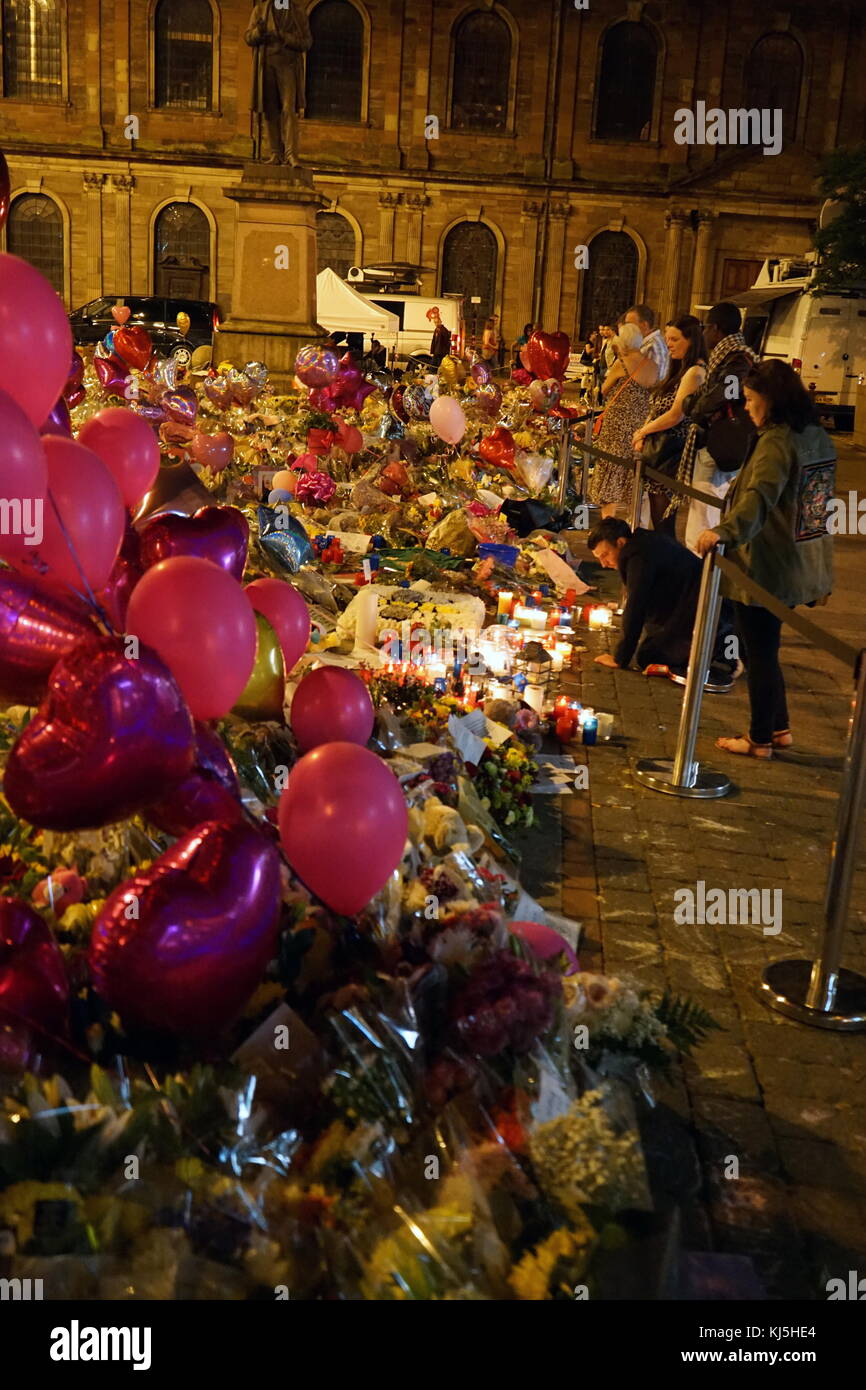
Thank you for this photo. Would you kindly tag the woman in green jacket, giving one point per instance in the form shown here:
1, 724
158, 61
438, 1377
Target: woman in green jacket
775, 529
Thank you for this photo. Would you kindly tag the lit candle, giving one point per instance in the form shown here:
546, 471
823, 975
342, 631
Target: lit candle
600, 617
553, 617
504, 603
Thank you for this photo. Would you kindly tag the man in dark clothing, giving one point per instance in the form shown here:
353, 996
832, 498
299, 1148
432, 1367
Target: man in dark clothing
441, 343
662, 580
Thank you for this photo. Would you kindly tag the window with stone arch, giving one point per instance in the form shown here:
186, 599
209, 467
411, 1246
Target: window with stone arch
335, 63
626, 82
181, 252
481, 72
610, 284
183, 55
34, 232
335, 243
469, 263
32, 50
774, 76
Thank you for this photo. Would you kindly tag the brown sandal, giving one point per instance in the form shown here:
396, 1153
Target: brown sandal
783, 739
764, 751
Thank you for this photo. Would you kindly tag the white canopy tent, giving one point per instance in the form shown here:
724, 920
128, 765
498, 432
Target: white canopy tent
340, 309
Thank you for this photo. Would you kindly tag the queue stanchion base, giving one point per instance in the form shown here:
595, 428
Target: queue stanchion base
657, 774
785, 984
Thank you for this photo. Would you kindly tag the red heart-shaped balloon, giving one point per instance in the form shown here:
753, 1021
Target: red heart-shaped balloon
111, 374
209, 792
38, 625
111, 734
34, 985
219, 534
182, 945
133, 345
498, 448
548, 354
120, 313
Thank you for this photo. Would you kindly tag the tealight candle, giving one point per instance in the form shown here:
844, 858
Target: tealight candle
600, 617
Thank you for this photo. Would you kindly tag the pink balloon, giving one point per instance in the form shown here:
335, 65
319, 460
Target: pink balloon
287, 614
545, 943
128, 448
23, 477
200, 621
213, 450
331, 705
89, 504
447, 419
343, 824
35, 339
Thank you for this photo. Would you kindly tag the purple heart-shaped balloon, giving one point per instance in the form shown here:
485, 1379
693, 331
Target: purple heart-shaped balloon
220, 534
209, 792
204, 927
111, 734
180, 404
38, 625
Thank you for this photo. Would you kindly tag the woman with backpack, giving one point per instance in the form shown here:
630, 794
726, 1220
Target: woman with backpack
775, 530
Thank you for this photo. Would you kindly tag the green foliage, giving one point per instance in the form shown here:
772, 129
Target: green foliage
686, 1022
842, 244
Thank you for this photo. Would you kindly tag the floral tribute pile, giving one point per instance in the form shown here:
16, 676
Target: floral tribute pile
277, 1019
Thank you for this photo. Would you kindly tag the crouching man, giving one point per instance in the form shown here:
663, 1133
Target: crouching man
662, 580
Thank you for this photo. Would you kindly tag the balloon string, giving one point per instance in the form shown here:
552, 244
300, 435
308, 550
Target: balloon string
89, 595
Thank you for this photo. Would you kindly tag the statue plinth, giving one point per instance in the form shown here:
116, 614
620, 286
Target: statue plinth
274, 285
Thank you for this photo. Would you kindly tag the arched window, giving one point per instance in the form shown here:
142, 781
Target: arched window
181, 252
482, 69
335, 241
774, 75
32, 68
626, 83
35, 233
469, 268
610, 284
335, 63
183, 54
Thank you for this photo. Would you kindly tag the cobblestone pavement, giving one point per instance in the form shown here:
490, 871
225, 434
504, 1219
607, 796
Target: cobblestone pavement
788, 1101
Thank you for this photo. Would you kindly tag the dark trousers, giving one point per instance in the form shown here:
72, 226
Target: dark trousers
760, 633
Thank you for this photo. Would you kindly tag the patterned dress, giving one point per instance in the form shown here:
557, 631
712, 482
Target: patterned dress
612, 482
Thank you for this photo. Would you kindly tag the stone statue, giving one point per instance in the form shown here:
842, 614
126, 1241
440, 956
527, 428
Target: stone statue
279, 35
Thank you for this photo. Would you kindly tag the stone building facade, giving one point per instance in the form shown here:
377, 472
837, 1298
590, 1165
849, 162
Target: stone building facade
486, 141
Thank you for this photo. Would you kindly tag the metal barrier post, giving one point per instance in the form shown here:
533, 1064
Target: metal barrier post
584, 468
564, 463
821, 992
682, 776
637, 494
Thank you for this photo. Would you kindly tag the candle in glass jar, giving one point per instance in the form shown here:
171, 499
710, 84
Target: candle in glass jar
504, 603
553, 617
600, 617
534, 697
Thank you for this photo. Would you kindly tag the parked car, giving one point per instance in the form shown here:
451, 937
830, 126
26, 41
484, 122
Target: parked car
155, 313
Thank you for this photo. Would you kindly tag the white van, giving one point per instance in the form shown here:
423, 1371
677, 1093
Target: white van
416, 331
823, 335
